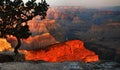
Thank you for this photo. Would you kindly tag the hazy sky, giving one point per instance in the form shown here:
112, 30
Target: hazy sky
86, 3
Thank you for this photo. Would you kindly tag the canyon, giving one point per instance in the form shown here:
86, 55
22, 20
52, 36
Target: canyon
94, 32
98, 28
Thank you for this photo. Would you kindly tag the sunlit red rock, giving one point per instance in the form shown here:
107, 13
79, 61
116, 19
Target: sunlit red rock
4, 45
68, 51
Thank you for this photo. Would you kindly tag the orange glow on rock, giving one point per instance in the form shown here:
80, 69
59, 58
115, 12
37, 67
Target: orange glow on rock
73, 50
4, 45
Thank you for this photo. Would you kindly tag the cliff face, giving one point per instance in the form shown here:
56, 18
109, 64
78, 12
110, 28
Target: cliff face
68, 51
78, 23
38, 27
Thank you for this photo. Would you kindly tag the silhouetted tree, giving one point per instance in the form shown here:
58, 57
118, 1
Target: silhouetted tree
14, 15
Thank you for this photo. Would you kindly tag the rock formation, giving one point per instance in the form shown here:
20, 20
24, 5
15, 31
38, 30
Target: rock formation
68, 51
4, 45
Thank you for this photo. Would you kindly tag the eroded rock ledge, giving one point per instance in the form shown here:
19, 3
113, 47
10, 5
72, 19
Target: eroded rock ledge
68, 51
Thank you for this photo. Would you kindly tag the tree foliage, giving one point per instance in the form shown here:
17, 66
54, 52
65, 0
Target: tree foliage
14, 15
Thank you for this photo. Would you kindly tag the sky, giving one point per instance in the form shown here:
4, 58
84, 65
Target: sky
84, 3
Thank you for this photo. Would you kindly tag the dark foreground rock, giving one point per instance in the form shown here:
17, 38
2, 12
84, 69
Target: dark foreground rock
9, 56
77, 65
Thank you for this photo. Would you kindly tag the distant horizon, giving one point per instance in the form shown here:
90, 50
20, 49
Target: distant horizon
83, 3
84, 6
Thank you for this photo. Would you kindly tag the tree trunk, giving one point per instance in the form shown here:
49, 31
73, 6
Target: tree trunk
17, 46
